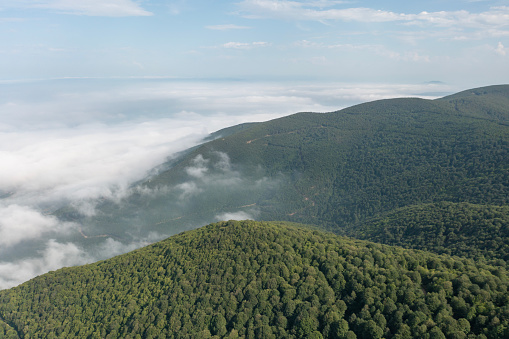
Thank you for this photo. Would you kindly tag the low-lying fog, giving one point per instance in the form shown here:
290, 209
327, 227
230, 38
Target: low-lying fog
78, 145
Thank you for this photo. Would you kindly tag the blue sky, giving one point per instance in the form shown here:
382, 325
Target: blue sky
364, 41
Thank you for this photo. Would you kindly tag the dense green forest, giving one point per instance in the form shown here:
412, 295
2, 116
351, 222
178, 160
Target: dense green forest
462, 229
335, 169
264, 280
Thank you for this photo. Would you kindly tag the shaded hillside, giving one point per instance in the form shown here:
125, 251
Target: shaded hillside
334, 169
485, 102
463, 229
271, 280
340, 168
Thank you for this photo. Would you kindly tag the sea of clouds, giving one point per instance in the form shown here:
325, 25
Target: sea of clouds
70, 141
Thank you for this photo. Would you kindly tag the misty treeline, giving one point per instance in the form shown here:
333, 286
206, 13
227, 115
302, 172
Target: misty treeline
264, 280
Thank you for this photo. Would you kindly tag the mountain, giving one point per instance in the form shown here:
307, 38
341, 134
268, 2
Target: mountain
336, 170
462, 229
263, 280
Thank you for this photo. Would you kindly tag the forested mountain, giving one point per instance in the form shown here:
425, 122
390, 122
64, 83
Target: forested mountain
429, 175
462, 229
263, 280
333, 169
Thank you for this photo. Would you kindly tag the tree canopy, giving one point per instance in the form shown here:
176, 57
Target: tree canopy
255, 279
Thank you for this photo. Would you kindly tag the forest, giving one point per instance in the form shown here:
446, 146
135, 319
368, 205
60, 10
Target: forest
480, 232
264, 280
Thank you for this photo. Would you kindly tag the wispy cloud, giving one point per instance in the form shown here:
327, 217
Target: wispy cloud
6, 20
379, 50
234, 216
320, 10
112, 8
227, 27
20, 223
54, 256
245, 45
313, 10
501, 50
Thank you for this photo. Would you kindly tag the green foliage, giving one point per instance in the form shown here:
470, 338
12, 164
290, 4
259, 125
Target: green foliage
334, 169
7, 331
272, 280
463, 229
341, 168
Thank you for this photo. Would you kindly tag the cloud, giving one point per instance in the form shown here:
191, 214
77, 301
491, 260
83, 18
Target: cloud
320, 10
6, 20
379, 50
200, 167
207, 174
188, 189
88, 161
234, 216
227, 27
19, 223
245, 45
111, 8
501, 50
54, 256
293, 10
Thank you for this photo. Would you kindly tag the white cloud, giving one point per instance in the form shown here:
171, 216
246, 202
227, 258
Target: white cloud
188, 189
19, 223
223, 164
112, 8
234, 216
200, 167
245, 45
227, 27
501, 49
88, 161
55, 255
293, 10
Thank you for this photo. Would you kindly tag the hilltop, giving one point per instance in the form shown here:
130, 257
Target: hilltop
271, 280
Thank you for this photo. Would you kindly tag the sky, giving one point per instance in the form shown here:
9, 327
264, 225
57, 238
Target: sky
95, 94
454, 41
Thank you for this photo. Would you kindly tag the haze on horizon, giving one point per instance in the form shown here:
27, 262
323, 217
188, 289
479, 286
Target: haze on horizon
95, 94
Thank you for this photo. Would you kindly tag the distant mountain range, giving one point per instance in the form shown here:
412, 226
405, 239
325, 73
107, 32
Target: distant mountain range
425, 174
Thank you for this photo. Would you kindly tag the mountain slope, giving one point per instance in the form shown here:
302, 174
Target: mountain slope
336, 170
253, 279
462, 229
342, 167
485, 102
